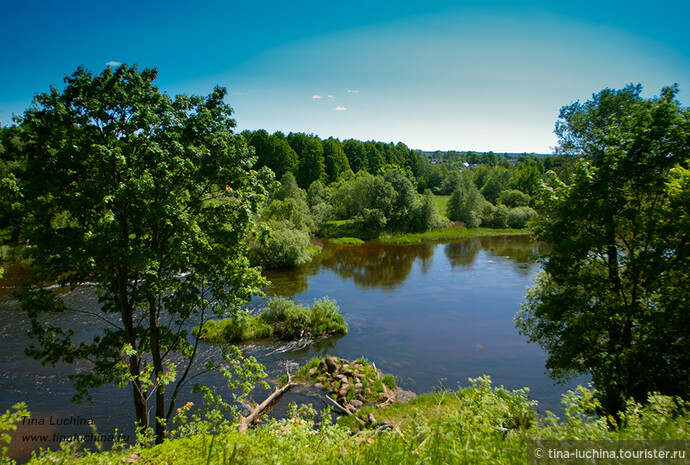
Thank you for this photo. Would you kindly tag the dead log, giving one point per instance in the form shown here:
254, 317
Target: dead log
253, 417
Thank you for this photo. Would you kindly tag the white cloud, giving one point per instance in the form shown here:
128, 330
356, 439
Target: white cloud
113, 64
236, 93
340, 108
316, 96
330, 96
352, 91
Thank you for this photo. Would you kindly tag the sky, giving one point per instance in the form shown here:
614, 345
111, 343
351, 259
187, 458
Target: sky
434, 74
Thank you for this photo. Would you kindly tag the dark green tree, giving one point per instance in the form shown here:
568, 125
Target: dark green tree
356, 155
466, 204
612, 300
311, 164
150, 198
335, 159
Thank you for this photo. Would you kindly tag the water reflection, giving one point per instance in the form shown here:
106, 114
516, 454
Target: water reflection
377, 265
521, 251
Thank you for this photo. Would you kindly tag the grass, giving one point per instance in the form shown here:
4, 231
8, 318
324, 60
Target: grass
441, 203
473, 425
347, 241
249, 328
343, 228
454, 232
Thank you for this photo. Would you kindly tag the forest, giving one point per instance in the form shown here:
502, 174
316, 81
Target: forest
363, 190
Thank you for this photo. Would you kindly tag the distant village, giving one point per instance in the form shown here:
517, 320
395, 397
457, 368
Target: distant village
473, 159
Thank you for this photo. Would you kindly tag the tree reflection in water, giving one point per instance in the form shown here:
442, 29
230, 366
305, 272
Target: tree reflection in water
374, 264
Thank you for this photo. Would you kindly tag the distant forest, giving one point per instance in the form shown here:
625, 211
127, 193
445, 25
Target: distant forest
311, 158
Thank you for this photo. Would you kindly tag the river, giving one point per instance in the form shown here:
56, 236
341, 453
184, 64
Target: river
433, 315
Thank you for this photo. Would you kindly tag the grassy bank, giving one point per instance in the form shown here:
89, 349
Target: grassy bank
477, 424
455, 232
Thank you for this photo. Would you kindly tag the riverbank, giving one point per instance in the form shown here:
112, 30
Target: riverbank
455, 232
475, 424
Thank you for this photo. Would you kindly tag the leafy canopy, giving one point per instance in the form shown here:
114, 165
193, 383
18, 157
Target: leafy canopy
612, 300
149, 198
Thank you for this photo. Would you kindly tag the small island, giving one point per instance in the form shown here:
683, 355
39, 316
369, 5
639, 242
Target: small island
282, 319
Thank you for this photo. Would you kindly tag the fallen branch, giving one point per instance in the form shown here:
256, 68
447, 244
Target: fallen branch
253, 417
343, 409
336, 404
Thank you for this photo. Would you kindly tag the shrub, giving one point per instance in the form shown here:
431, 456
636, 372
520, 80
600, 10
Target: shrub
292, 321
495, 216
512, 198
295, 324
284, 249
326, 318
519, 216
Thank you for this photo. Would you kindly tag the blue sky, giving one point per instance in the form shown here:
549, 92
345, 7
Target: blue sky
436, 75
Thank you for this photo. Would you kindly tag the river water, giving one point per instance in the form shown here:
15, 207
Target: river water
433, 315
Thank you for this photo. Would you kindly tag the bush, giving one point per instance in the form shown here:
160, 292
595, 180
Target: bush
284, 249
512, 198
495, 217
326, 318
235, 329
519, 216
465, 205
292, 321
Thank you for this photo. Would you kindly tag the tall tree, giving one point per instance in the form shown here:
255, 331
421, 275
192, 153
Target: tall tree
612, 300
150, 198
311, 163
335, 159
356, 155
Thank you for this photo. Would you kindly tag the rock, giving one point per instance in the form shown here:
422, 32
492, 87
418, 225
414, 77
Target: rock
372, 419
402, 396
344, 389
323, 367
342, 401
332, 364
318, 386
357, 379
312, 372
357, 404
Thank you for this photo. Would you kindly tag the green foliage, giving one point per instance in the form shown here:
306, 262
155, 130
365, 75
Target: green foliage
311, 165
348, 241
281, 318
293, 321
466, 204
519, 216
285, 248
8, 422
476, 424
496, 216
288, 189
512, 198
611, 301
130, 189
235, 329
290, 220
335, 160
